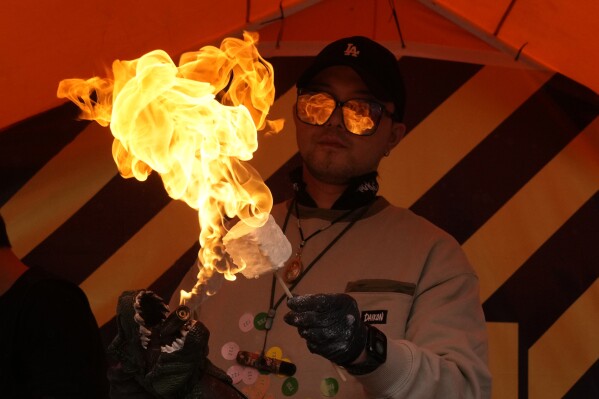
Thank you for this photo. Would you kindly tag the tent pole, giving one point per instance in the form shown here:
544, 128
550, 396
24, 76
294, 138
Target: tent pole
504, 17
494, 41
275, 16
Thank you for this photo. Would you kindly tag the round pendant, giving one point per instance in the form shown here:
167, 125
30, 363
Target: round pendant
293, 269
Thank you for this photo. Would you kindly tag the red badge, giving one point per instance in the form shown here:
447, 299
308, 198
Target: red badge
293, 269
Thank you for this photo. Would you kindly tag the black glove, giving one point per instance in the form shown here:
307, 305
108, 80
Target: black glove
330, 324
146, 370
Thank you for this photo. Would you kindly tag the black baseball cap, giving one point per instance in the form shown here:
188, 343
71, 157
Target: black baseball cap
376, 65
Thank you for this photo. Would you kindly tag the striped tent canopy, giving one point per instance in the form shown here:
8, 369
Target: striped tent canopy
502, 152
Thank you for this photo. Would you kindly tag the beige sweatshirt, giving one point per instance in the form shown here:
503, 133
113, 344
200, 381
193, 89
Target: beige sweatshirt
409, 277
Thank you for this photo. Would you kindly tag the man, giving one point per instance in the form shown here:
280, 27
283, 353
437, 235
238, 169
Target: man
50, 345
385, 304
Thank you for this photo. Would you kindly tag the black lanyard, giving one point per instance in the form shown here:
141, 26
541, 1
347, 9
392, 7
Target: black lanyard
273, 306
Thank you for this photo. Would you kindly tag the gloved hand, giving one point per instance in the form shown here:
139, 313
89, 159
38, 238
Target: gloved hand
154, 364
330, 324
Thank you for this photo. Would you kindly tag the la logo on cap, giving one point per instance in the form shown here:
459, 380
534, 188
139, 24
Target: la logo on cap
351, 50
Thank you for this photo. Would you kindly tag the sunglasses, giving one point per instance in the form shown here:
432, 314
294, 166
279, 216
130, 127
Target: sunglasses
360, 117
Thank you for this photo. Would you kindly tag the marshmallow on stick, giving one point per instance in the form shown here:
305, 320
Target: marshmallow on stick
262, 249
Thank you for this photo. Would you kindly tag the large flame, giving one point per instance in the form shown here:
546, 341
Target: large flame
195, 124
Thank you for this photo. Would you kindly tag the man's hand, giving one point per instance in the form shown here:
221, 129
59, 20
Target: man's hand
330, 324
150, 368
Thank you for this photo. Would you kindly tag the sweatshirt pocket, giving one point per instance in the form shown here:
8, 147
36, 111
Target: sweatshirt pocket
386, 303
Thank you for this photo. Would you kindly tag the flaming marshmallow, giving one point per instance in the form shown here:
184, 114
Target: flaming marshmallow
261, 250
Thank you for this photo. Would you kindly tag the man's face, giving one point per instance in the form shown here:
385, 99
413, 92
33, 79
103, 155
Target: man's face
333, 155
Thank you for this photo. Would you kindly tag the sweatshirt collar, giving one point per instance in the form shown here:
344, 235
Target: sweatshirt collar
361, 191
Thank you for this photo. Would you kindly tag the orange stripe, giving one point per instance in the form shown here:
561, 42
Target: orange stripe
143, 259
567, 350
502, 245
440, 141
60, 188
503, 359
276, 149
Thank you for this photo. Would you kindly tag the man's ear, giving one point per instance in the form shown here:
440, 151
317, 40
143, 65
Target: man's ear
398, 132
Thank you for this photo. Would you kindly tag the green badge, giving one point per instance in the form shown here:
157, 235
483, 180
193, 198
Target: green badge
290, 386
260, 321
329, 387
